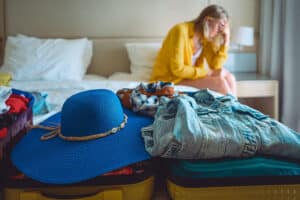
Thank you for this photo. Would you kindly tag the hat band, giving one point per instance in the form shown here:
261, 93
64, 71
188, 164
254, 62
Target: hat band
56, 131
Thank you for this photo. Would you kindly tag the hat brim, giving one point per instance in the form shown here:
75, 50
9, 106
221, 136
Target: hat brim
57, 161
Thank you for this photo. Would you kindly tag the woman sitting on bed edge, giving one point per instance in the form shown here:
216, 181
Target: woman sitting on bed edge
190, 45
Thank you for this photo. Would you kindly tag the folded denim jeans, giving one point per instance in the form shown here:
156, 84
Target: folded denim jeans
204, 125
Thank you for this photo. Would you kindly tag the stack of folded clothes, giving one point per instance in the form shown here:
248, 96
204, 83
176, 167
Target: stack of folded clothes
15, 115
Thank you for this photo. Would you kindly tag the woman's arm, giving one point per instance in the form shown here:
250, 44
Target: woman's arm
216, 56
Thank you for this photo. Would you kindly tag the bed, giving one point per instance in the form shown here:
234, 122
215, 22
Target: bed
117, 51
58, 91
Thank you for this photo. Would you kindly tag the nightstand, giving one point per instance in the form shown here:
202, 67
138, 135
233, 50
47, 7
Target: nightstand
259, 92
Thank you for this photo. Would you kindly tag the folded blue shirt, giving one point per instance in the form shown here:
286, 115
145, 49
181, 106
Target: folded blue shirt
40, 105
255, 166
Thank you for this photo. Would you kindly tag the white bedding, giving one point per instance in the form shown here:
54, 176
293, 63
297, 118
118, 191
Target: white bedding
59, 91
129, 76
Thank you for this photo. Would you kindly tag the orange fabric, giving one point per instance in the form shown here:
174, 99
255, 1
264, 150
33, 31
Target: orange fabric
165, 91
124, 94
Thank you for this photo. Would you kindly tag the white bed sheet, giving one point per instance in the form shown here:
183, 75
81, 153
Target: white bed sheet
59, 91
129, 76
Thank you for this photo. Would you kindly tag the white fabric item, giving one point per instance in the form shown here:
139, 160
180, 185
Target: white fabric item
195, 56
31, 58
142, 57
124, 76
93, 77
5, 92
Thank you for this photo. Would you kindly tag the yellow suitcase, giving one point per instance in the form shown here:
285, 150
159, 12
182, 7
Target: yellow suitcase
110, 187
141, 190
257, 192
266, 178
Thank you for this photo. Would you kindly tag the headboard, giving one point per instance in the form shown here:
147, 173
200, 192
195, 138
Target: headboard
109, 23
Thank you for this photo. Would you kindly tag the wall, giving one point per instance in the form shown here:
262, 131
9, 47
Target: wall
242, 12
115, 18
111, 19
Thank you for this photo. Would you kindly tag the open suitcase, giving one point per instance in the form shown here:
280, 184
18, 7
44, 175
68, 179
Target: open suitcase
132, 182
18, 128
254, 178
14, 132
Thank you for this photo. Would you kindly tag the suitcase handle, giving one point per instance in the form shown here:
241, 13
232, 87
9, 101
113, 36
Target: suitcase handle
103, 195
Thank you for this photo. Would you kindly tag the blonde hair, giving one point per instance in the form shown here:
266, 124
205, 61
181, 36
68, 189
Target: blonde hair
214, 11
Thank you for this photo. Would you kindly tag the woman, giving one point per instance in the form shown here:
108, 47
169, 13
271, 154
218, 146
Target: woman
193, 53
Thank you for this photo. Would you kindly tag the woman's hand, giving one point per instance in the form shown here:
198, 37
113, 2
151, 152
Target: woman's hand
225, 31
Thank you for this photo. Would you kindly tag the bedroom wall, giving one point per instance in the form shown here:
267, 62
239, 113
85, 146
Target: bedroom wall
111, 23
114, 18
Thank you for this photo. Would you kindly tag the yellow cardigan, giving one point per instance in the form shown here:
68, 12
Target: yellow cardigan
174, 60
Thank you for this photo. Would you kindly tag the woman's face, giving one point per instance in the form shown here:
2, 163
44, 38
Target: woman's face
215, 26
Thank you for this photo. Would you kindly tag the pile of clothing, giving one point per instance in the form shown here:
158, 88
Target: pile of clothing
11, 105
207, 125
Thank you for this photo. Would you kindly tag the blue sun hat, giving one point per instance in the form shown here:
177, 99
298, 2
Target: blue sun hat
92, 135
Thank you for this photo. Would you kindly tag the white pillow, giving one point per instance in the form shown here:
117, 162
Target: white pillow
142, 57
31, 58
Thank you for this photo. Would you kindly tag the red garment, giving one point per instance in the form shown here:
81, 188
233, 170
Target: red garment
17, 103
122, 171
18, 177
3, 133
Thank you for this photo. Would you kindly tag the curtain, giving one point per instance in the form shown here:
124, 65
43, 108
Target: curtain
279, 54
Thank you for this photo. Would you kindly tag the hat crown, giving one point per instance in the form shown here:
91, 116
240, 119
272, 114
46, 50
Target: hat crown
91, 112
